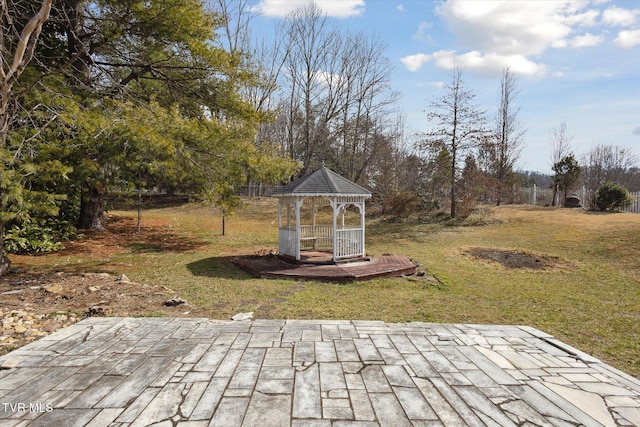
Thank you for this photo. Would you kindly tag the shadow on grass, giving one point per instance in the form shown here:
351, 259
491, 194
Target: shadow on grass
120, 236
217, 267
123, 201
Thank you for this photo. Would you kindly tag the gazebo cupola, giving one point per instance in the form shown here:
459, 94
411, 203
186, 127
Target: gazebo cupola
313, 192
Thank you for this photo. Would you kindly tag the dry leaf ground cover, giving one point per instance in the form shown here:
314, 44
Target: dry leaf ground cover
570, 273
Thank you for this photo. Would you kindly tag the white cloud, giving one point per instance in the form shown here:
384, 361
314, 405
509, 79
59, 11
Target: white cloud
619, 17
487, 64
415, 62
439, 84
421, 33
628, 39
504, 33
586, 40
327, 79
514, 28
333, 8
401, 8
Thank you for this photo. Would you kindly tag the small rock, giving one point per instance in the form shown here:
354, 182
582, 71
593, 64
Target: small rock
104, 275
174, 302
52, 326
243, 316
17, 291
54, 288
19, 329
9, 362
99, 310
92, 289
122, 278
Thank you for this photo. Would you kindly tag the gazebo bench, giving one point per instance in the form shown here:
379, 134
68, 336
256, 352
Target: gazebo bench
309, 239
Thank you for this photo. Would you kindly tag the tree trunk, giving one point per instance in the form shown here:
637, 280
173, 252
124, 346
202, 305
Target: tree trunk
453, 183
92, 209
4, 261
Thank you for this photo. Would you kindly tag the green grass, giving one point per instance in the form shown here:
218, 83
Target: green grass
590, 299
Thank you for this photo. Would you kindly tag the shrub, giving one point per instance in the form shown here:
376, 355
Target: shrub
402, 204
611, 196
37, 236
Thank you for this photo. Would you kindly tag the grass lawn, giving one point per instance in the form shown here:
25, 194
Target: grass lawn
589, 297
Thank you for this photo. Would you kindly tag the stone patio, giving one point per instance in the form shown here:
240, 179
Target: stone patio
199, 372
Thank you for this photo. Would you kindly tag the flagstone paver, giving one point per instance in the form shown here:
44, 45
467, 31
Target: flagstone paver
127, 372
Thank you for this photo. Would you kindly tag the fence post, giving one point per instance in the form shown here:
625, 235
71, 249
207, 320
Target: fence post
535, 194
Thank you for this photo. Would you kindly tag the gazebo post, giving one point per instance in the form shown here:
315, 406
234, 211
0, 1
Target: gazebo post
334, 206
299, 201
313, 221
364, 252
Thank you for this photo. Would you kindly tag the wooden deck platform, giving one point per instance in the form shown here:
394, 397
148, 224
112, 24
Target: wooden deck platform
315, 266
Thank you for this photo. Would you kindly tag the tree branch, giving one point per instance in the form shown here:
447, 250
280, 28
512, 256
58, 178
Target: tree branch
26, 45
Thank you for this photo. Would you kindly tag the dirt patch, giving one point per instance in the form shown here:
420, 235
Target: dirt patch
33, 298
515, 259
30, 302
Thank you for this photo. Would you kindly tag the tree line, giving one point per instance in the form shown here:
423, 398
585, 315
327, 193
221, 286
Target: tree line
180, 96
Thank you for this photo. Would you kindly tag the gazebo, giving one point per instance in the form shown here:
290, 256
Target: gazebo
313, 192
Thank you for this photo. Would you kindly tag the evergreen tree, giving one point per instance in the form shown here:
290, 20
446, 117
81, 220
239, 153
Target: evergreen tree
115, 92
566, 174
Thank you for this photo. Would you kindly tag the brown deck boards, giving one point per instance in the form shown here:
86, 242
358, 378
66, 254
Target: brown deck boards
370, 268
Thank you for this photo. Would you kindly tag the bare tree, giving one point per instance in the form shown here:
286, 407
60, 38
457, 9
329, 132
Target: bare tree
366, 104
310, 49
560, 145
335, 88
236, 16
607, 163
458, 125
507, 142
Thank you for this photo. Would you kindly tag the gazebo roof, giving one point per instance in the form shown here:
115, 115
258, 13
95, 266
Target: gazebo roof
322, 182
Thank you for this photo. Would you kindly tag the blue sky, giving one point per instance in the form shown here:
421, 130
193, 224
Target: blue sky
576, 61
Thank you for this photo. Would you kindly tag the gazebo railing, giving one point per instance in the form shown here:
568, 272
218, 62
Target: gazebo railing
348, 240
288, 243
316, 236
348, 243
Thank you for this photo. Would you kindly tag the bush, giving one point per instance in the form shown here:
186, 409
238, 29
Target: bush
402, 204
37, 236
612, 197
